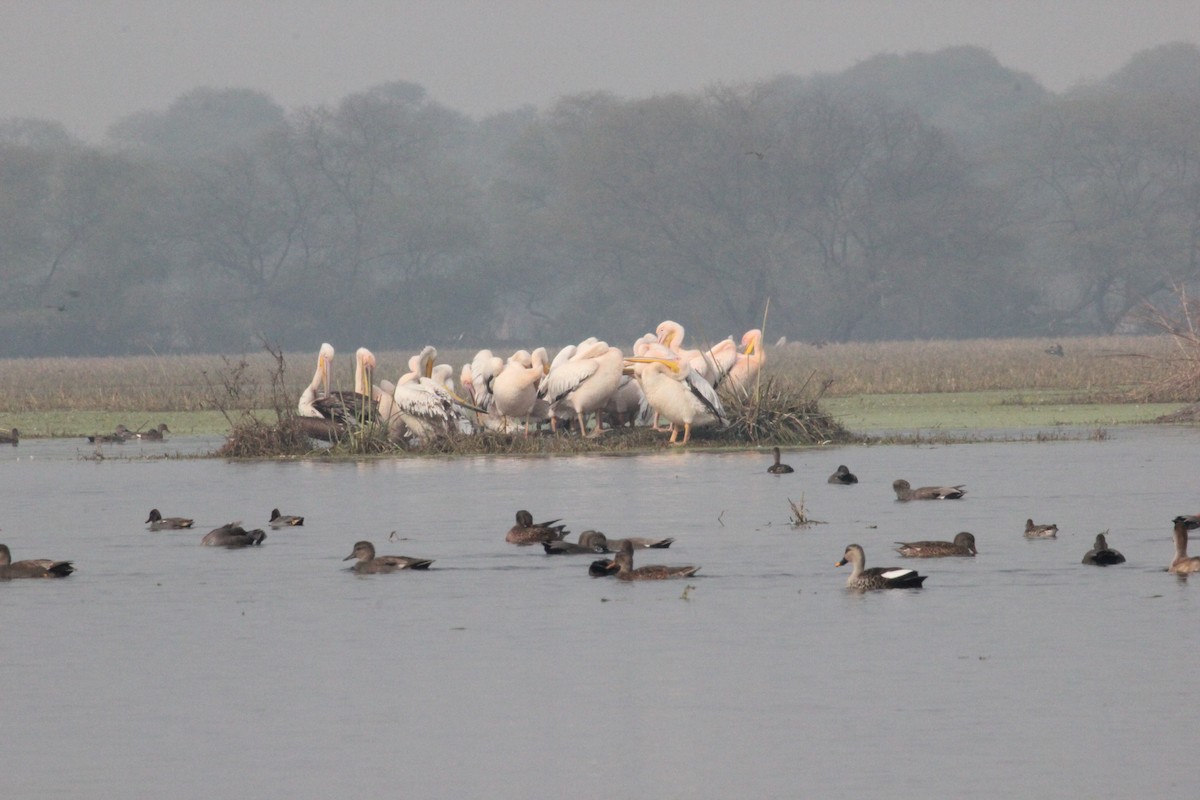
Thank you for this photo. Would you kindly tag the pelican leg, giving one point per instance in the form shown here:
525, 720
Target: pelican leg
674, 433
687, 432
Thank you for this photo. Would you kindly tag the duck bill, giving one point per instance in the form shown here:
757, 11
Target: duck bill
841, 563
347, 558
673, 364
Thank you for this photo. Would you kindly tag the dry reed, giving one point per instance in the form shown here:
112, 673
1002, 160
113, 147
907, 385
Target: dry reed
1105, 367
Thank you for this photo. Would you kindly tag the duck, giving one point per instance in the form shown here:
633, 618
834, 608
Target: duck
1183, 564
778, 468
843, 476
232, 534
285, 520
12, 437
1040, 531
905, 492
526, 531
370, 564
651, 572
602, 568
1100, 555
160, 523
590, 543
877, 577
154, 434
612, 545
963, 545
33, 568
119, 436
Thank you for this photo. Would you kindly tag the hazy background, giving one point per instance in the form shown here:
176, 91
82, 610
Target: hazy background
87, 64
201, 176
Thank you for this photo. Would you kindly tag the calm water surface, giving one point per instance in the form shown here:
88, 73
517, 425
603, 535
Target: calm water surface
163, 668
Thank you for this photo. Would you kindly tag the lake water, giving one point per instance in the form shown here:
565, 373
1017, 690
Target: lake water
167, 669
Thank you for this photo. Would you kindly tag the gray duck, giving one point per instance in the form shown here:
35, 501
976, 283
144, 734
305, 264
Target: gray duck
232, 535
590, 543
285, 520
904, 491
160, 523
370, 564
877, 577
32, 568
612, 545
1101, 555
963, 545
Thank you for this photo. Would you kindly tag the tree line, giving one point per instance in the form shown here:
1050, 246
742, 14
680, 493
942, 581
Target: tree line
928, 195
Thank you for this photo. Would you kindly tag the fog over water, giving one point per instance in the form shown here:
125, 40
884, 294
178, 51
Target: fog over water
89, 64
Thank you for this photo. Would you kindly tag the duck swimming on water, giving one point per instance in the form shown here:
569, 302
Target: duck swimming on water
370, 564
526, 531
905, 492
842, 475
778, 468
876, 577
32, 568
963, 545
1101, 555
232, 535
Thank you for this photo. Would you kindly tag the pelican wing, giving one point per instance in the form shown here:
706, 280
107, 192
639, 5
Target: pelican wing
703, 391
566, 378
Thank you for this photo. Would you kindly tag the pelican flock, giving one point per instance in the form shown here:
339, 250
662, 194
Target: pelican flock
586, 388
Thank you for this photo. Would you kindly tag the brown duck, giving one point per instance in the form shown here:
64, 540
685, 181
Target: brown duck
1032, 531
154, 434
651, 572
33, 568
1182, 563
963, 545
526, 531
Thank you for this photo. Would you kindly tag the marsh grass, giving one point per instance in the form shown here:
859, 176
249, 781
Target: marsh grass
1094, 368
256, 392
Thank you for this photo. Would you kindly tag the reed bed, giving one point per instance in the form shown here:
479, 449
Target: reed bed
1112, 368
1108, 369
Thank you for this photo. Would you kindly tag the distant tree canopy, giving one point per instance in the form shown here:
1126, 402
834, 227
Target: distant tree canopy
928, 195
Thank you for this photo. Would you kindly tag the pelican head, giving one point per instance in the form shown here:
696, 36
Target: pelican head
751, 341
670, 333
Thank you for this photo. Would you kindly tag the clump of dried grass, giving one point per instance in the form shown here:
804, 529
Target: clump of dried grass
1180, 380
777, 411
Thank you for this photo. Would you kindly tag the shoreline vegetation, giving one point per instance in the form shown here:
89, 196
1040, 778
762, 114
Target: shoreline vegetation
808, 394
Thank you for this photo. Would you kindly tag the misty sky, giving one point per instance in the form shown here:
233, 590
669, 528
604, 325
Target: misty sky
88, 63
